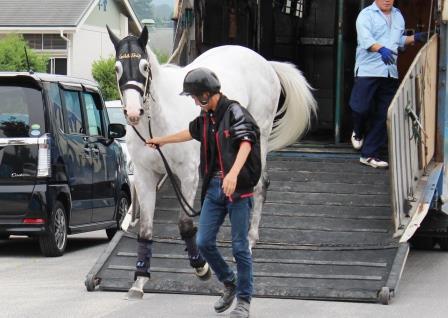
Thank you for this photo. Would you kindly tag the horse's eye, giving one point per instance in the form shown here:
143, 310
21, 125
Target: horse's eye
144, 67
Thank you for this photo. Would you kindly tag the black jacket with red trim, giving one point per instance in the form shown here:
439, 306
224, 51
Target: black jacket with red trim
221, 133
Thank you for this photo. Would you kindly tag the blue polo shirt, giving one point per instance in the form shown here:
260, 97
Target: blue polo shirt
372, 27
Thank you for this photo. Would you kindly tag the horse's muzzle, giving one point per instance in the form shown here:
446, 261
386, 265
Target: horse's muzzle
133, 117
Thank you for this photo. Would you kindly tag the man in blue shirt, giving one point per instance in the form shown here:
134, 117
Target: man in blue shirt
380, 30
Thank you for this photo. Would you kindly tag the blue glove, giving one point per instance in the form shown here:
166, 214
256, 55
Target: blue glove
421, 37
386, 55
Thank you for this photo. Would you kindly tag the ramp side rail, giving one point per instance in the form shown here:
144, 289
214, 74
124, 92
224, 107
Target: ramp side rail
411, 127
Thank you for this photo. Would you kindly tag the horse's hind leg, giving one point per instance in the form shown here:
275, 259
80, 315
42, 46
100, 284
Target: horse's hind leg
188, 231
146, 192
259, 198
260, 191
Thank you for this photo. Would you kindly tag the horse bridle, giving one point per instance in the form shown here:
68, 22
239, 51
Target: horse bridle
146, 92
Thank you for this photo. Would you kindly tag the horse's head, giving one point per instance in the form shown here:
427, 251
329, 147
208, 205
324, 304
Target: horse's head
133, 72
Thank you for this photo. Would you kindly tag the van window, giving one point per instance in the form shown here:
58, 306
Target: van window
74, 113
56, 104
21, 111
93, 112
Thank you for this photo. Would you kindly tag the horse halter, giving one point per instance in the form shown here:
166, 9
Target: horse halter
144, 90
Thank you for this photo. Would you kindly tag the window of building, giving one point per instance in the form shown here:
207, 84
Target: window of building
45, 41
294, 7
34, 41
57, 66
53, 42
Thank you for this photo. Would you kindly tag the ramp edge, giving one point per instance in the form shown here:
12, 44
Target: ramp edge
396, 271
91, 278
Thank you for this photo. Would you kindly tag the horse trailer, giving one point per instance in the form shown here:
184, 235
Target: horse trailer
331, 229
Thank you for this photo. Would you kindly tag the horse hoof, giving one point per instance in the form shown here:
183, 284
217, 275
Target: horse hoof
126, 222
135, 293
252, 245
203, 273
253, 239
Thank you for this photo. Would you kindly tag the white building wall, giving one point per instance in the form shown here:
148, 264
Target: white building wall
91, 41
90, 44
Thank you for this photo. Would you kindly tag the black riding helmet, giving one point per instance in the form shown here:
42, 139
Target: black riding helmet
200, 80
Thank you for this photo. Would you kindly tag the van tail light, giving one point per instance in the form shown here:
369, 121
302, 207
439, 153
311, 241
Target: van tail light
33, 221
44, 157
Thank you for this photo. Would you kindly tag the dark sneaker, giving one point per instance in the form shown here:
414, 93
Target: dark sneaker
227, 297
374, 162
241, 309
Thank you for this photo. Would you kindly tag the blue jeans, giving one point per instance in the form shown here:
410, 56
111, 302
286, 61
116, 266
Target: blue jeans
213, 212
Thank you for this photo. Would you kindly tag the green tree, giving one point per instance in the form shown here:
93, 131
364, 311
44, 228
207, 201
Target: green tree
12, 55
103, 71
143, 8
162, 56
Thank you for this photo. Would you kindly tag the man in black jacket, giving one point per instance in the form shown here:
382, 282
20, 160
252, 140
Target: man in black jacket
230, 167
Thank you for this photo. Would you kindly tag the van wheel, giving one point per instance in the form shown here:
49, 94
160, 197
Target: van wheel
122, 209
54, 243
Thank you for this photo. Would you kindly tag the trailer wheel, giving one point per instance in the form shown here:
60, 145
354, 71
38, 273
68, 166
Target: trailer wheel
384, 296
91, 282
422, 242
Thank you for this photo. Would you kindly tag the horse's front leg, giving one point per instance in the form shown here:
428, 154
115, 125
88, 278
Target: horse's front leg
132, 216
189, 184
145, 186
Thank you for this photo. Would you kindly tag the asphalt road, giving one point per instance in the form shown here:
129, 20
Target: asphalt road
35, 286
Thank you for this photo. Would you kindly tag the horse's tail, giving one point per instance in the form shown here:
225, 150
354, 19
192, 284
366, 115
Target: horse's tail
293, 118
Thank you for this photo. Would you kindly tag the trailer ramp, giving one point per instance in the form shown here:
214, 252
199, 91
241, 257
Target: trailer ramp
326, 233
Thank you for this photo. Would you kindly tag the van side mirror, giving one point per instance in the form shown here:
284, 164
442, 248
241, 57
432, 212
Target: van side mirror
117, 131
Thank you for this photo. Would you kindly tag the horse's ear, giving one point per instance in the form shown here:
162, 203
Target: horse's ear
115, 39
143, 38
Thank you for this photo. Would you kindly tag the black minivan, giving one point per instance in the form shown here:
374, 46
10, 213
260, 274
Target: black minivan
61, 172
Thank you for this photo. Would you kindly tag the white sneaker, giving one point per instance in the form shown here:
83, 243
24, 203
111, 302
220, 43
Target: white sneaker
374, 162
357, 143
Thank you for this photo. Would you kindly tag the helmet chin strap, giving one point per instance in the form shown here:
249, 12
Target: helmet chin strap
203, 103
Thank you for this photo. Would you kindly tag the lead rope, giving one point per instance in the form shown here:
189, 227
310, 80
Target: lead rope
186, 207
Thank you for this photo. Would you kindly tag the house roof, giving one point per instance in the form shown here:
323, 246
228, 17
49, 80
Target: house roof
42, 13
50, 13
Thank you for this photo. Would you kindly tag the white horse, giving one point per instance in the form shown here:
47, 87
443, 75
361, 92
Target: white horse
152, 90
